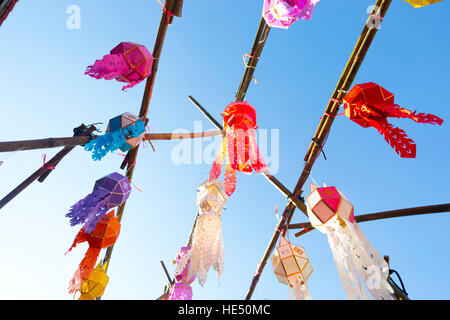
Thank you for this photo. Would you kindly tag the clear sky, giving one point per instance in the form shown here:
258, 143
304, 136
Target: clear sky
44, 93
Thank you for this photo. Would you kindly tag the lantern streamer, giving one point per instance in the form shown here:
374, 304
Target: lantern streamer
115, 139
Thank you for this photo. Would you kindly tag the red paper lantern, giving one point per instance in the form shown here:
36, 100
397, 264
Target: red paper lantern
369, 105
239, 143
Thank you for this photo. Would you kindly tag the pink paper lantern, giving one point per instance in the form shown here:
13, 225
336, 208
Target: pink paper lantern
127, 62
283, 13
327, 203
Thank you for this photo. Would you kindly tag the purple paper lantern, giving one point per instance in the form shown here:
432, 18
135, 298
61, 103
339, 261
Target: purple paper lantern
181, 290
283, 13
109, 192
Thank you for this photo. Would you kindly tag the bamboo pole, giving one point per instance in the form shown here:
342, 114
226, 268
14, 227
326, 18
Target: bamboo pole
438, 208
10, 146
166, 18
297, 201
344, 83
258, 45
53, 162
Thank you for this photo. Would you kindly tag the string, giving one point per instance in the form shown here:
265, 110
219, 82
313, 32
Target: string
46, 166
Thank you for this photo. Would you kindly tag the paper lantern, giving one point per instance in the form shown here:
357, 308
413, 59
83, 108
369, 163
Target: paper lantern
95, 285
104, 235
127, 62
109, 192
207, 247
124, 132
369, 105
283, 13
181, 289
292, 267
327, 203
422, 3
331, 213
239, 144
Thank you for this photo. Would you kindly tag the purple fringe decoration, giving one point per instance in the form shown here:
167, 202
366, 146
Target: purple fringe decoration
89, 210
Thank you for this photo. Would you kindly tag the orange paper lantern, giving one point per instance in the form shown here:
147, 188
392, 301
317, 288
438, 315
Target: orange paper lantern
104, 235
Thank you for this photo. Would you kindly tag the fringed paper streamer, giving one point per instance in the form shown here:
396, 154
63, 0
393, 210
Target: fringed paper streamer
109, 192
369, 105
128, 62
118, 138
207, 247
301, 291
89, 210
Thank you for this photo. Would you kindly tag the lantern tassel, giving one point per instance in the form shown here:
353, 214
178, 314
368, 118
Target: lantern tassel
207, 247
396, 137
372, 268
109, 142
339, 244
399, 112
301, 291
89, 210
84, 270
110, 67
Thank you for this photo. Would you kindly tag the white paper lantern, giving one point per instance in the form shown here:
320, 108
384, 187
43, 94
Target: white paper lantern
207, 247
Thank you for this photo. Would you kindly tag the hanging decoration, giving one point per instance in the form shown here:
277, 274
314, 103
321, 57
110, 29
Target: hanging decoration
127, 62
283, 13
239, 143
292, 267
181, 289
422, 3
369, 105
331, 213
207, 248
109, 192
104, 235
124, 132
94, 286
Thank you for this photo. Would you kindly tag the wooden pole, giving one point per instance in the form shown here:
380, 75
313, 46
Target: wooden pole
166, 273
166, 18
10, 146
438, 208
344, 83
43, 170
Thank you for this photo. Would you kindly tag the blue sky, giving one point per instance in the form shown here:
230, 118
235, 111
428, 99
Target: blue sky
44, 93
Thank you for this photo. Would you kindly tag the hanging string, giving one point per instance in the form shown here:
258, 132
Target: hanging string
244, 58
